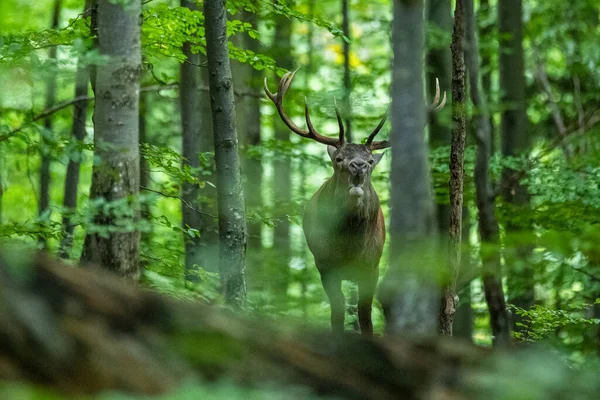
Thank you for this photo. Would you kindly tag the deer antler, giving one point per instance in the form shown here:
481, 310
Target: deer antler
311, 133
434, 107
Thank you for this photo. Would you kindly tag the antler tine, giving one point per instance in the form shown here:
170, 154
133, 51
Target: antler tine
286, 82
442, 104
311, 128
277, 99
339, 119
267, 91
377, 129
436, 98
436, 105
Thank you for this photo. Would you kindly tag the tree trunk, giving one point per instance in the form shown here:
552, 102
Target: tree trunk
232, 213
282, 190
145, 208
302, 170
487, 31
488, 225
515, 141
439, 65
208, 194
115, 175
410, 292
457, 158
45, 160
189, 96
247, 81
463, 319
347, 80
78, 133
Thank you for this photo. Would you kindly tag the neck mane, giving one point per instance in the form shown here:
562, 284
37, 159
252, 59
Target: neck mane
366, 207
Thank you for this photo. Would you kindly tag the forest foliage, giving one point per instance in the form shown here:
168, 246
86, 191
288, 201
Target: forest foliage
555, 234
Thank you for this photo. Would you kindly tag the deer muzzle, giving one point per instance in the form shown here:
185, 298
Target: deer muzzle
356, 183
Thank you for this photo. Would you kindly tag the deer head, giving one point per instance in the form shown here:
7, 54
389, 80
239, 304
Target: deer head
352, 163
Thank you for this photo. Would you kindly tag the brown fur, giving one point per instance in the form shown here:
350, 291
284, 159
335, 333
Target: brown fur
346, 237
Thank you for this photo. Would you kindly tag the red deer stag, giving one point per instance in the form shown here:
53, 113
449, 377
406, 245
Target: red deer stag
343, 222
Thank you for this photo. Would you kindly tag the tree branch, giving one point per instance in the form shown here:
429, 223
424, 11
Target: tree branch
184, 202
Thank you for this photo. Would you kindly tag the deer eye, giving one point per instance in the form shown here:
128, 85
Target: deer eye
371, 161
339, 159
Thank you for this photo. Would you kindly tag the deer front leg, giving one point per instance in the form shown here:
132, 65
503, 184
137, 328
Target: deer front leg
333, 288
366, 291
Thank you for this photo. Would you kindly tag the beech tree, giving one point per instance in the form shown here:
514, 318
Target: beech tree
282, 185
190, 150
78, 133
515, 143
44, 202
113, 241
409, 291
230, 192
489, 231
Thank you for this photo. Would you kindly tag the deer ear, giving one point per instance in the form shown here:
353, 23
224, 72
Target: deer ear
377, 157
331, 150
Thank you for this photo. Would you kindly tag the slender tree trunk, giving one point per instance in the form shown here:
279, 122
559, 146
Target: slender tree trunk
282, 190
190, 148
439, 65
145, 209
232, 213
247, 81
515, 141
463, 319
488, 225
116, 175
1, 179
457, 157
208, 194
409, 292
78, 133
347, 79
487, 31
45, 161
305, 276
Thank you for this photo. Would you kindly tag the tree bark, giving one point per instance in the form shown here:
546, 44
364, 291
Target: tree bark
487, 31
439, 65
115, 175
45, 159
145, 209
230, 193
457, 158
488, 225
78, 133
463, 319
409, 292
189, 96
347, 78
515, 141
282, 188
248, 80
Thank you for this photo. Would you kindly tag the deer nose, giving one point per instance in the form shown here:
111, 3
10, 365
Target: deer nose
358, 167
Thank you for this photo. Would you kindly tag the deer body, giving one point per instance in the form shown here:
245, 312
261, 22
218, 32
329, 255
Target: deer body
346, 243
343, 222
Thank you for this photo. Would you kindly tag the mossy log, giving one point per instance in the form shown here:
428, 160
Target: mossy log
84, 331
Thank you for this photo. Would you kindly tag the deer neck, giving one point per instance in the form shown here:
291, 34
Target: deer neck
365, 207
